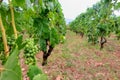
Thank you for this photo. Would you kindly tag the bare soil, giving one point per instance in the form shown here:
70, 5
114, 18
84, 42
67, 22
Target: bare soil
76, 59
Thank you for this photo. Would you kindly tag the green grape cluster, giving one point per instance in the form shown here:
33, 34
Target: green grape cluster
11, 41
2, 57
29, 52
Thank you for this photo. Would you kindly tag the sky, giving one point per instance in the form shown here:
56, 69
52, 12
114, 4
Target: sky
72, 8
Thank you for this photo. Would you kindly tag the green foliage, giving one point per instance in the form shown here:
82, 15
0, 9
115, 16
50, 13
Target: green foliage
12, 67
49, 23
2, 57
97, 21
11, 41
117, 6
35, 73
42, 20
19, 42
5, 14
117, 28
40, 77
18, 3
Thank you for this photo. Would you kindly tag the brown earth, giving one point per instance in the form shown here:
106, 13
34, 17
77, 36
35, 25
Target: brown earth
76, 59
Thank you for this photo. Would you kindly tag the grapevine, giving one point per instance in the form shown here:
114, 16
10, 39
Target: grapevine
98, 22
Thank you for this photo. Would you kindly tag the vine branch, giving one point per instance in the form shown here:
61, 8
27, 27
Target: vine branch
13, 20
6, 49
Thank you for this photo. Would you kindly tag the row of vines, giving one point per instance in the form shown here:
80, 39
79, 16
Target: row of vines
27, 27
98, 22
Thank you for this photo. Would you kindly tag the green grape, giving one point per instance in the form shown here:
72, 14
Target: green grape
28, 55
29, 51
11, 40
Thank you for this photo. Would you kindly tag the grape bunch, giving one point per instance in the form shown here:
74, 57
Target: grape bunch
29, 51
10, 41
2, 57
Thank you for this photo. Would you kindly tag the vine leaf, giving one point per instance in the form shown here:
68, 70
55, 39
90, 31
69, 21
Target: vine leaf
18, 2
40, 77
12, 67
33, 71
